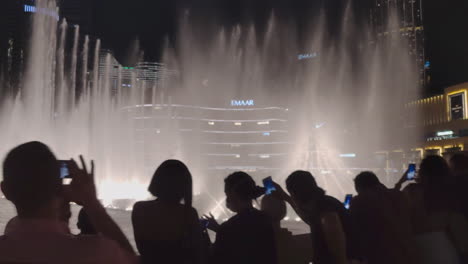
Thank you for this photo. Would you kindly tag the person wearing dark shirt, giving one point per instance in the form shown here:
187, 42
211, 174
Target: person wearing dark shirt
247, 237
167, 231
328, 219
289, 249
381, 217
440, 230
459, 166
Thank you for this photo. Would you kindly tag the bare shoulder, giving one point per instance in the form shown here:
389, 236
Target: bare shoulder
141, 206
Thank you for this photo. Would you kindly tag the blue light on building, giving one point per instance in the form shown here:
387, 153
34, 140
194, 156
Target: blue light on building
44, 11
307, 56
242, 102
427, 65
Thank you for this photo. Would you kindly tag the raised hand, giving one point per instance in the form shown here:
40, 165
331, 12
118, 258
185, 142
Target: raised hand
279, 193
82, 189
403, 179
212, 223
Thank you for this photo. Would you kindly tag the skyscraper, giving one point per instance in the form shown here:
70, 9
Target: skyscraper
405, 18
15, 29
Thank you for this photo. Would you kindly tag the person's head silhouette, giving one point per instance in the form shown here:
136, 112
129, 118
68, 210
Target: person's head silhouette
84, 224
31, 181
172, 182
303, 187
459, 165
274, 207
435, 178
434, 171
366, 181
240, 191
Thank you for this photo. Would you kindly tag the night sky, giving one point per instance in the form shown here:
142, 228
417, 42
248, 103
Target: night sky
120, 22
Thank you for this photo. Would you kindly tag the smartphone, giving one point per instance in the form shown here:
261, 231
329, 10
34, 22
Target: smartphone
347, 201
204, 223
411, 172
64, 169
269, 186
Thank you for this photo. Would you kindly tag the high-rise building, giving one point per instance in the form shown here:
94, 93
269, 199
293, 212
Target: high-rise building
13, 35
403, 18
15, 29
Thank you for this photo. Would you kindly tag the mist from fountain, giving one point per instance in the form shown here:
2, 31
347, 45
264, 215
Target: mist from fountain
338, 90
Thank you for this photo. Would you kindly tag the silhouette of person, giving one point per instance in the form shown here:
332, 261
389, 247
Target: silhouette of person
381, 222
459, 165
441, 232
248, 236
84, 224
31, 181
328, 219
288, 249
167, 231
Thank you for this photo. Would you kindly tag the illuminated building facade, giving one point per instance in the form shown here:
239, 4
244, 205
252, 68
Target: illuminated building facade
15, 16
146, 75
444, 120
237, 135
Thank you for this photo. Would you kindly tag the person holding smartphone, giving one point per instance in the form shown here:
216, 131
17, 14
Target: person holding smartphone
326, 216
437, 221
31, 181
248, 236
381, 221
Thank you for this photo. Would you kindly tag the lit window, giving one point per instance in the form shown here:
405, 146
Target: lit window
263, 123
238, 124
237, 156
211, 123
265, 156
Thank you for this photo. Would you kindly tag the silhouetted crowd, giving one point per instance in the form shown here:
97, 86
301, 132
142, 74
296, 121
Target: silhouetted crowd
425, 222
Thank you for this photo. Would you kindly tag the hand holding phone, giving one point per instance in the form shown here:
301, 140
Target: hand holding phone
208, 221
81, 189
204, 223
269, 186
411, 172
64, 166
347, 202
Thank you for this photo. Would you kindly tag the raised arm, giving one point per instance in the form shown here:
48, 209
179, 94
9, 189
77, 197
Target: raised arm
402, 180
282, 195
82, 190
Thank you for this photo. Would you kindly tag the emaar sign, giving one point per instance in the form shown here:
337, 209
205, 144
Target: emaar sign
242, 102
307, 56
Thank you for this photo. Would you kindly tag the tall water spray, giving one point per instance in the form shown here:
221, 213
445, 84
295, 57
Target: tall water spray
336, 90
